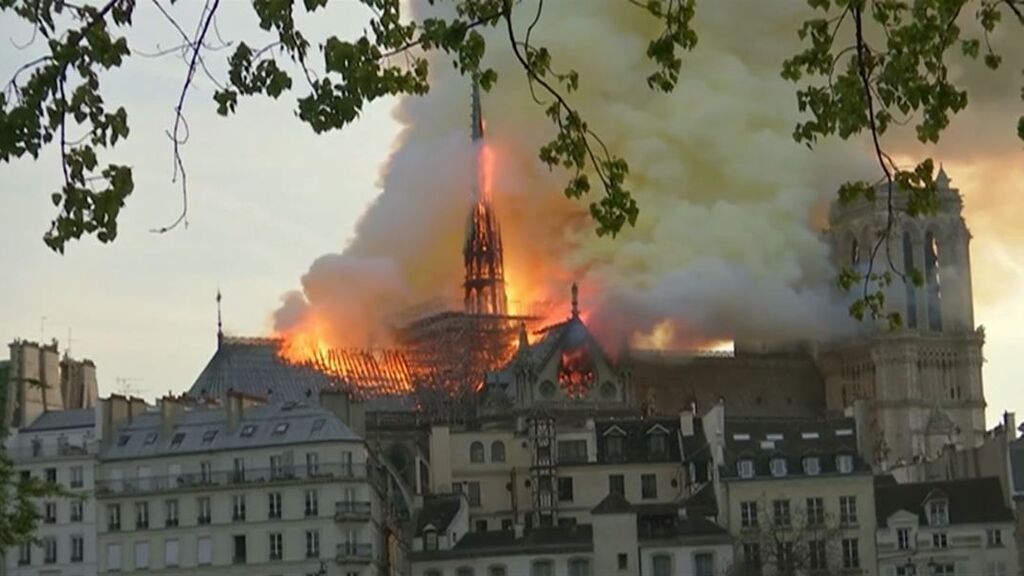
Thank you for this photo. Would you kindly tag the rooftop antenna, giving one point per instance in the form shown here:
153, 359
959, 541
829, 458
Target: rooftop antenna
220, 325
124, 386
67, 349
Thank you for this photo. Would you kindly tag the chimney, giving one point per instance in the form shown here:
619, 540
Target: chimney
1010, 425
348, 410
518, 530
686, 421
171, 409
115, 412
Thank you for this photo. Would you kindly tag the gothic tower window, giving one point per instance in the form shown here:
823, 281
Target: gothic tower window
908, 269
932, 282
854, 253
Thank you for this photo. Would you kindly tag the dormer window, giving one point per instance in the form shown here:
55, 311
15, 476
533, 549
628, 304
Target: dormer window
657, 446
745, 468
778, 466
812, 466
248, 430
430, 539
938, 513
844, 463
615, 447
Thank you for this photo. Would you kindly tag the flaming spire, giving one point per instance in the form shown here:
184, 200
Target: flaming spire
482, 251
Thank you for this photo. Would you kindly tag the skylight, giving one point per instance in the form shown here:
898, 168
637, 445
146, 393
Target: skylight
248, 431
123, 439
741, 436
281, 428
151, 438
773, 436
844, 432
208, 436
809, 435
177, 439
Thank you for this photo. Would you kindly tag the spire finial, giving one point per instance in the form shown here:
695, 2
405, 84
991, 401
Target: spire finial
575, 301
524, 339
941, 179
477, 115
220, 325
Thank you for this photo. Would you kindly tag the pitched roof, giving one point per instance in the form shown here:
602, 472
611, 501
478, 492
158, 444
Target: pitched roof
613, 504
635, 433
205, 429
764, 439
554, 540
63, 419
971, 501
1017, 467
438, 511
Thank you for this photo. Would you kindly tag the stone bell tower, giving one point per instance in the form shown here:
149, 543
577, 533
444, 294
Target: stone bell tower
922, 381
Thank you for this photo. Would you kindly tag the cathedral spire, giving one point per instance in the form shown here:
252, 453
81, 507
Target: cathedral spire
482, 251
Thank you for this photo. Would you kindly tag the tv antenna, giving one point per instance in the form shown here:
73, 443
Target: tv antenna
125, 387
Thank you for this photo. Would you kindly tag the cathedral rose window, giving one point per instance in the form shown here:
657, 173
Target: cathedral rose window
576, 372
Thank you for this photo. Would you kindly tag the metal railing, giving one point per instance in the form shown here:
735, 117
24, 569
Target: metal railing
23, 453
227, 478
351, 510
353, 552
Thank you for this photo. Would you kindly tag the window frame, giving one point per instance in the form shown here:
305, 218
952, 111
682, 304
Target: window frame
476, 452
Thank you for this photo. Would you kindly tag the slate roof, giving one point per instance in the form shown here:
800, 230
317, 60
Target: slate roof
703, 502
554, 540
680, 527
636, 447
613, 504
63, 419
205, 429
1017, 467
764, 439
252, 366
438, 511
971, 501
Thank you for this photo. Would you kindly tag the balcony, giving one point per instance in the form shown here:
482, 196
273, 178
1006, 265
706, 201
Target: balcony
50, 451
154, 484
354, 511
353, 553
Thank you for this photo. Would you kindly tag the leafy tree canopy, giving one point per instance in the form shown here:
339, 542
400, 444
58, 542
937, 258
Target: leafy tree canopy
864, 65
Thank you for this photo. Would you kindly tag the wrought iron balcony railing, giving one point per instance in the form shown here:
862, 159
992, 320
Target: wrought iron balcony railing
190, 481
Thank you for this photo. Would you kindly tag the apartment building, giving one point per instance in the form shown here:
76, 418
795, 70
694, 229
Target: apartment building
238, 489
944, 528
58, 447
794, 494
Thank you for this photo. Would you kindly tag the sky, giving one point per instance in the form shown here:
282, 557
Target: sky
268, 198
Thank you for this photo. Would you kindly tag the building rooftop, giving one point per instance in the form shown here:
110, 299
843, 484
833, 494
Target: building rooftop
554, 540
206, 429
763, 440
438, 511
971, 501
63, 419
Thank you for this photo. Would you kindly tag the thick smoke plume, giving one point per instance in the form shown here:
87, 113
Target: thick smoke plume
726, 247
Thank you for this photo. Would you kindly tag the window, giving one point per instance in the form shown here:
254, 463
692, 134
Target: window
903, 538
847, 510
238, 553
572, 451
943, 569
113, 557
542, 568
745, 468
623, 561
844, 463
51, 475
614, 447
312, 544
815, 512
50, 513
77, 507
481, 525
938, 513
203, 510
77, 477
204, 550
281, 428
312, 507
171, 552
208, 436
657, 446
704, 564
276, 468
748, 514
430, 539
648, 486
476, 452
464, 571
778, 466
171, 517
812, 466
77, 548
497, 451
752, 557
141, 555
238, 507
781, 514
141, 515
151, 438
37, 447
617, 484
113, 517
939, 540
994, 537
312, 464
123, 440
276, 546
816, 559
995, 569
248, 430
579, 567
274, 505
784, 556
239, 470
318, 424
565, 489
49, 550
909, 569
177, 439
661, 565
497, 570
851, 553
205, 472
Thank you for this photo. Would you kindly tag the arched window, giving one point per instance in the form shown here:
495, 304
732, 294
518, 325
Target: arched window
662, 565
933, 282
579, 567
911, 289
497, 451
476, 452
